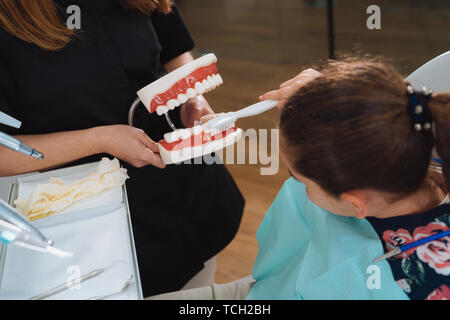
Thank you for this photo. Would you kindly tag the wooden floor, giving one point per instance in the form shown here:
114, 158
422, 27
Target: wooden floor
261, 43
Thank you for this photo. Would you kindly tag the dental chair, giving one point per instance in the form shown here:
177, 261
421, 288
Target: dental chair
435, 74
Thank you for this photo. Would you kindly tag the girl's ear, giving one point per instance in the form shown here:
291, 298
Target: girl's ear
358, 203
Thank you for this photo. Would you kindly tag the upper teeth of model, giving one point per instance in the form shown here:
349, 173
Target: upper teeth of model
184, 134
204, 86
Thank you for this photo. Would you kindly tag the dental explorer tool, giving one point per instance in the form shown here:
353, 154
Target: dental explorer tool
68, 285
229, 117
72, 283
125, 286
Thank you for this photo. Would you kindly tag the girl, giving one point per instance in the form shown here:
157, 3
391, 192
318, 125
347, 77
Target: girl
358, 143
362, 146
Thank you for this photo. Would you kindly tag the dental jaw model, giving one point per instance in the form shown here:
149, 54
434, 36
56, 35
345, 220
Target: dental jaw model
172, 90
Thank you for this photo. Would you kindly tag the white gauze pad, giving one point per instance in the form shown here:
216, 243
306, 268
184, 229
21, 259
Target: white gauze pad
55, 196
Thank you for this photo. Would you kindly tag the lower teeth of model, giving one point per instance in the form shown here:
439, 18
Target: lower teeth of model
184, 134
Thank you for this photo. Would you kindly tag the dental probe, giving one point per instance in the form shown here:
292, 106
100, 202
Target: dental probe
125, 286
411, 245
72, 283
229, 117
68, 285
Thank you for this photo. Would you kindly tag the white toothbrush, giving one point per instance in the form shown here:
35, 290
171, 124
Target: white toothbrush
230, 117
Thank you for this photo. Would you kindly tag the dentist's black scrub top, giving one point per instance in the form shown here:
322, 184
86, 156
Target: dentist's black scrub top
182, 215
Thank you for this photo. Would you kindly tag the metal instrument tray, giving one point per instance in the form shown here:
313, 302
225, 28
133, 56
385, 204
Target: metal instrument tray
98, 231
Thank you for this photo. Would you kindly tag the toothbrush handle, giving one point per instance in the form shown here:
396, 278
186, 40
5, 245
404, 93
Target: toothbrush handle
256, 108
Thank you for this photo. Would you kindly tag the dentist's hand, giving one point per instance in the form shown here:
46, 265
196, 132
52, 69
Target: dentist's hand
193, 110
129, 144
289, 87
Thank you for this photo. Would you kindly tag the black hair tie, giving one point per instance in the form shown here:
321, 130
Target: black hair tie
418, 109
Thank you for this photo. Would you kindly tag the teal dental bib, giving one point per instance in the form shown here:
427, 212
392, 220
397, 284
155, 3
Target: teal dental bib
308, 253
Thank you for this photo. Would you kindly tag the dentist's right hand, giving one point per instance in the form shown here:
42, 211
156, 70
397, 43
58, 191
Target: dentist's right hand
130, 144
289, 87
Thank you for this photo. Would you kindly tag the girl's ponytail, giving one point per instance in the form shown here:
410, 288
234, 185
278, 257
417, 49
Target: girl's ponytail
440, 108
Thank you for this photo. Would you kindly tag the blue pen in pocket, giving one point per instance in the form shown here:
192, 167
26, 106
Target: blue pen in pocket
411, 245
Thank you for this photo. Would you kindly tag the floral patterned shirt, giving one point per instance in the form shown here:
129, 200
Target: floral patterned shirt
424, 271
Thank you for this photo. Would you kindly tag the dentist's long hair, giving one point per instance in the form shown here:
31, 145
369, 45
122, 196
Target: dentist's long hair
39, 22
349, 129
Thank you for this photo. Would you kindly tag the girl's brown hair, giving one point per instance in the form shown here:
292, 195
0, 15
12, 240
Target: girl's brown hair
349, 129
38, 21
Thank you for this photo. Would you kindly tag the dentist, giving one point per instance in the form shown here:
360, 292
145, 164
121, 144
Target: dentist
72, 90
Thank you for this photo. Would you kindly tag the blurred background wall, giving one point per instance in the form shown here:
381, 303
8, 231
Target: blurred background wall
261, 43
